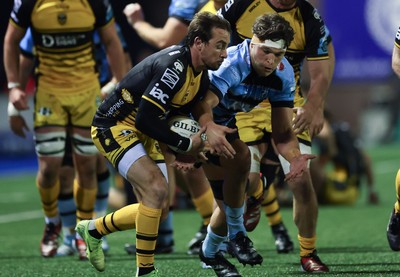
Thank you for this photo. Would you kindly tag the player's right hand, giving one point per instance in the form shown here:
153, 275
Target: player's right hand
133, 13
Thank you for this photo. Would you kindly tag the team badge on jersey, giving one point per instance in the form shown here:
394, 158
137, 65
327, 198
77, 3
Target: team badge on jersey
62, 18
127, 96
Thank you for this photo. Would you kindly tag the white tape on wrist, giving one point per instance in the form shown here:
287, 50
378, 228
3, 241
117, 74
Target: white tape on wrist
11, 85
11, 110
108, 88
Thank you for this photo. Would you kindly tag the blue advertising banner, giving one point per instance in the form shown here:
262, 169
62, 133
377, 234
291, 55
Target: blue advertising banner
363, 33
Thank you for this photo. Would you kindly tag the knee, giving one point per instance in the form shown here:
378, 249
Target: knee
241, 162
157, 188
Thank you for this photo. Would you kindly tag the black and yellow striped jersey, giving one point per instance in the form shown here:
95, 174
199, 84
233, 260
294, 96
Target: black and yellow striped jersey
63, 37
163, 84
311, 35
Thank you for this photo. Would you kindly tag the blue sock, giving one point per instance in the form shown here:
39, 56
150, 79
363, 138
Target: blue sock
211, 243
234, 220
103, 183
165, 231
67, 209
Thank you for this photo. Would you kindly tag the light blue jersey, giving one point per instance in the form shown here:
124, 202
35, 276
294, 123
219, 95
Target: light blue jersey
240, 89
185, 10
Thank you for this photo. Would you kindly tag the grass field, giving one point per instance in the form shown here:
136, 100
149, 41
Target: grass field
351, 239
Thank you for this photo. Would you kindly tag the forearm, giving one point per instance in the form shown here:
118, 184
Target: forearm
317, 93
156, 37
11, 61
203, 110
116, 59
287, 146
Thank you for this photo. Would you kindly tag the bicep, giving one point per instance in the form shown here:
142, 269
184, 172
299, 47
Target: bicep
174, 31
108, 34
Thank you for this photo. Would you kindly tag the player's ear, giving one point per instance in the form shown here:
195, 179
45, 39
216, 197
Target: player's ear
198, 42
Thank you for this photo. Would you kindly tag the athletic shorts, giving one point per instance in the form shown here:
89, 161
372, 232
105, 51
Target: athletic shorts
75, 109
255, 124
115, 141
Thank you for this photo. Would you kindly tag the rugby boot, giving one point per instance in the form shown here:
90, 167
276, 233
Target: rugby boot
80, 247
49, 242
241, 247
221, 266
195, 243
393, 231
313, 264
94, 251
252, 216
283, 243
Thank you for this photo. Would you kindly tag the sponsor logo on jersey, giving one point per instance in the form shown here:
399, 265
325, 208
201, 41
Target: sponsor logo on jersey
228, 4
178, 66
316, 14
254, 6
127, 134
170, 78
113, 110
126, 96
159, 94
61, 40
281, 66
174, 52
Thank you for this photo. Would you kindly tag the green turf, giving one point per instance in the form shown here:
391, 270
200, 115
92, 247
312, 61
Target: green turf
351, 240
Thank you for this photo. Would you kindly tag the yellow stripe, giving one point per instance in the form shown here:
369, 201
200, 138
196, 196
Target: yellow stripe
153, 102
397, 45
16, 25
318, 58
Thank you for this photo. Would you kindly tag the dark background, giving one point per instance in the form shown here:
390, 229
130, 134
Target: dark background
156, 12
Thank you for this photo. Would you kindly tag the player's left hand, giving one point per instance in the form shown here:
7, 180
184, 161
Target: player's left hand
298, 166
18, 125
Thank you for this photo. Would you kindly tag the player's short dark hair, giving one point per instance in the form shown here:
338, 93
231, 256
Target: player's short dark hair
202, 25
274, 27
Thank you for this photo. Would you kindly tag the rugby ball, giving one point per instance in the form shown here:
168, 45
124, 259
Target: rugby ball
184, 126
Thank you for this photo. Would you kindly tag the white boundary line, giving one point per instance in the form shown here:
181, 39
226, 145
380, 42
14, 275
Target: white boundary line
7, 218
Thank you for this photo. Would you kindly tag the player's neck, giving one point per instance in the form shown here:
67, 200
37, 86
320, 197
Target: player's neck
285, 5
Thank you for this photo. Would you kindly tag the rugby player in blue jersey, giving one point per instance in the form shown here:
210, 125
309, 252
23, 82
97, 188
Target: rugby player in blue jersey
253, 71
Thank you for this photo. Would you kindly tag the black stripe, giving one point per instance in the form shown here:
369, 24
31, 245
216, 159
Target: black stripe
112, 222
146, 238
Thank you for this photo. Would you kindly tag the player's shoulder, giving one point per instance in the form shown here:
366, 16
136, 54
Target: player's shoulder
308, 11
239, 55
176, 57
235, 8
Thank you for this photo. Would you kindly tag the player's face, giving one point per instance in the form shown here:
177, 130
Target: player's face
214, 51
264, 60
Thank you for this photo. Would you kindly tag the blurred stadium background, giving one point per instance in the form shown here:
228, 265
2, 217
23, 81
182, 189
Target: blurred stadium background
364, 92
